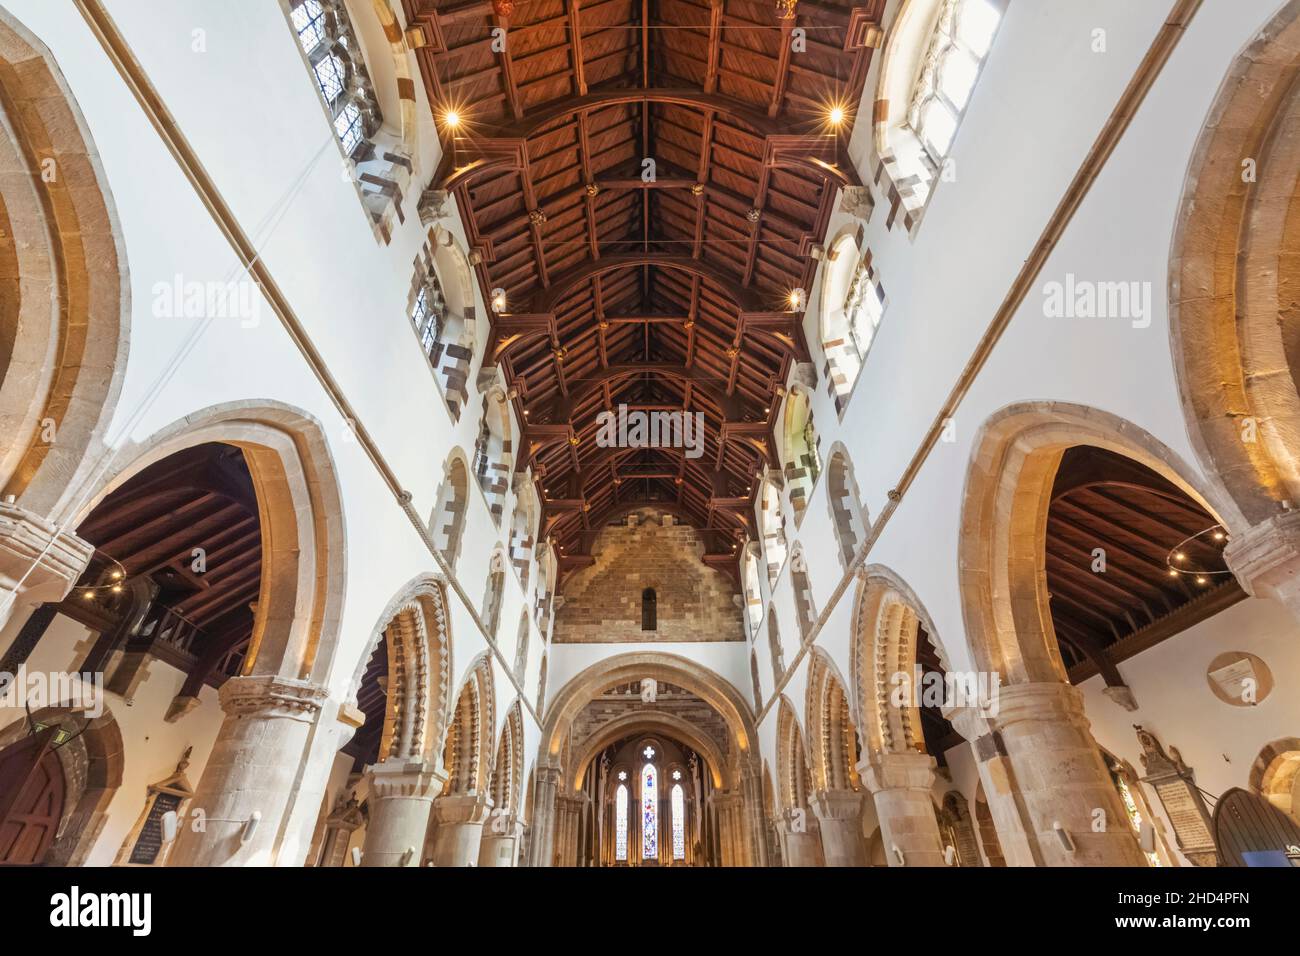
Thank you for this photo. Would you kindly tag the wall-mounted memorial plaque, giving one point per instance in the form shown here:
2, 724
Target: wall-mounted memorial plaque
1175, 785
147, 844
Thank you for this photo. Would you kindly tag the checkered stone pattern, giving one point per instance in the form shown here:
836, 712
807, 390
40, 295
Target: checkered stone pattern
901, 192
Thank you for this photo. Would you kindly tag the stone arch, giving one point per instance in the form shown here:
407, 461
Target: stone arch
441, 306
541, 684
887, 618
299, 604
92, 760
495, 591
706, 684
754, 679
793, 780
1004, 512
776, 653
805, 612
1275, 775
800, 454
523, 531
1233, 281
958, 830
467, 752
753, 588
651, 722
447, 523
64, 325
520, 668
493, 449
843, 361
417, 629
508, 766
771, 527
848, 517
832, 736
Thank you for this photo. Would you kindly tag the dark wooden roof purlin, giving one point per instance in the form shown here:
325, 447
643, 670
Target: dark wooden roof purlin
664, 292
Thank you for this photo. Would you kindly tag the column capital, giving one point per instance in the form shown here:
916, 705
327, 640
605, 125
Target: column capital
1266, 557
1040, 700
272, 697
38, 562
462, 808
405, 778
836, 804
902, 771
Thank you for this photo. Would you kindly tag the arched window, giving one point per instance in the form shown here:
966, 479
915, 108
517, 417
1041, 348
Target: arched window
492, 451
445, 328
774, 648
679, 820
802, 459
332, 50
620, 822
758, 687
648, 610
771, 525
847, 517
951, 65
930, 66
521, 532
753, 590
448, 522
521, 648
649, 810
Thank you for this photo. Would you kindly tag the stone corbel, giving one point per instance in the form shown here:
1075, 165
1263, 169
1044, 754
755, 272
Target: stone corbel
858, 202
39, 563
434, 206
1266, 559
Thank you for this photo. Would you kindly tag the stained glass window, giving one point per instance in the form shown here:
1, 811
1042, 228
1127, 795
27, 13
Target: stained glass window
1134, 814
679, 820
649, 813
620, 821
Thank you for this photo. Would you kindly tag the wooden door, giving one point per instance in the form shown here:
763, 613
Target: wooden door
31, 799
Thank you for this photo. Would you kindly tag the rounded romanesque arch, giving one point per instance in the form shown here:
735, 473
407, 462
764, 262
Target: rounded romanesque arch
64, 326
416, 638
832, 736
794, 782
467, 751
1275, 775
848, 517
1234, 275
447, 523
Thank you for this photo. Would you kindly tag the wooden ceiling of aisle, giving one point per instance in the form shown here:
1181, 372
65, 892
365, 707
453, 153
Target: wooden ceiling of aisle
667, 294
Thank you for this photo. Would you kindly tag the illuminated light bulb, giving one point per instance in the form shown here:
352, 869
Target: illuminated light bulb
1173, 573
1200, 579
116, 575
117, 589
836, 115
1218, 536
1179, 556
451, 119
87, 594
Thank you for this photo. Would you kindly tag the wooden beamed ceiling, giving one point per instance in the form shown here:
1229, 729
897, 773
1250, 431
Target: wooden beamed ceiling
668, 292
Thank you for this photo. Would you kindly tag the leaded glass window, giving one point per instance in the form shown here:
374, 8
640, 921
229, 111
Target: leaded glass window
649, 813
863, 308
428, 312
679, 821
329, 43
948, 72
620, 822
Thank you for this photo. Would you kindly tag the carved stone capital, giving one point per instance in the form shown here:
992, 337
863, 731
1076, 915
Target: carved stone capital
462, 808
836, 804
272, 697
1266, 557
38, 562
416, 779
433, 206
905, 771
858, 202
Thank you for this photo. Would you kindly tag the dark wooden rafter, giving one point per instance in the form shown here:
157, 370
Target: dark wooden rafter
667, 291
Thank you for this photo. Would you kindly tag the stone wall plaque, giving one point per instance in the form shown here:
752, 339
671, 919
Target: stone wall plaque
1175, 786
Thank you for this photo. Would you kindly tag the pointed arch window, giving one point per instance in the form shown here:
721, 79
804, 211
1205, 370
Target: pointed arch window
679, 820
620, 823
649, 812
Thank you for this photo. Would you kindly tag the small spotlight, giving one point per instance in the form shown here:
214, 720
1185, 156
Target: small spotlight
117, 589
1200, 579
116, 575
451, 119
1173, 573
1218, 536
1179, 556
87, 594
836, 115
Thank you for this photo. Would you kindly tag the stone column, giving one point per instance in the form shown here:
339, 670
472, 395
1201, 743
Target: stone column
731, 831
500, 844
253, 770
401, 799
568, 820
800, 846
901, 785
1045, 781
38, 562
542, 839
460, 819
1266, 559
839, 817
755, 826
